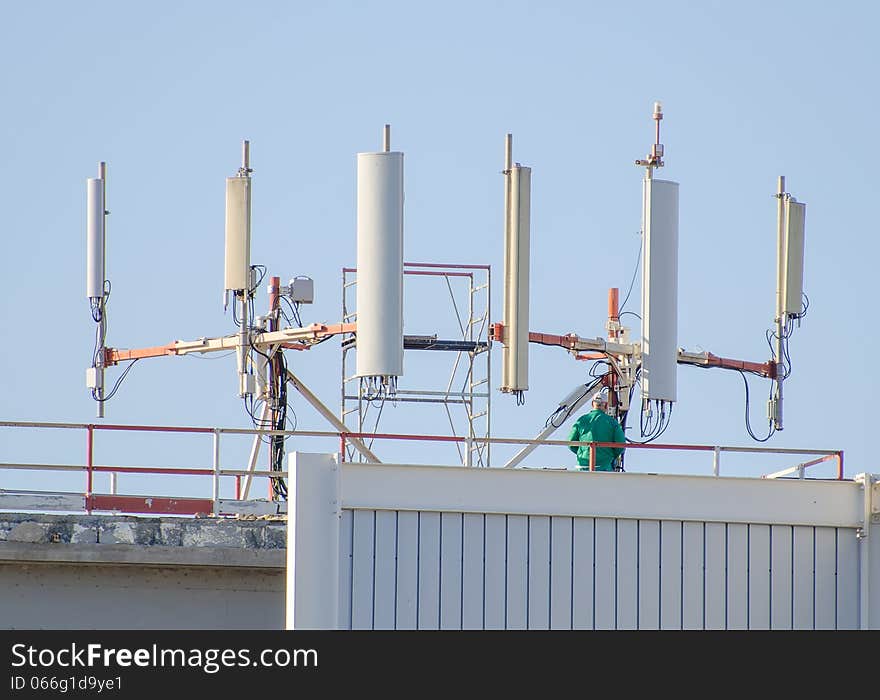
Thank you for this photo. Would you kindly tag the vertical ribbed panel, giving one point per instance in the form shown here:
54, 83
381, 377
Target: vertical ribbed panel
429, 570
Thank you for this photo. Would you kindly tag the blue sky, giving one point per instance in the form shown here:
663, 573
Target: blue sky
165, 92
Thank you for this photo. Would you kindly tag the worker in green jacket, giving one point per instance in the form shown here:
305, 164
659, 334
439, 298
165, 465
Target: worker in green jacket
597, 426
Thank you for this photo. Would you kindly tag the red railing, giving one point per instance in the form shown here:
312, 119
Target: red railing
190, 506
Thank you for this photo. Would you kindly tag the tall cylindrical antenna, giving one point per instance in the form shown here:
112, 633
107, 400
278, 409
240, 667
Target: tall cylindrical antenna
517, 215
95, 242
102, 174
96, 217
386, 138
780, 246
776, 402
380, 202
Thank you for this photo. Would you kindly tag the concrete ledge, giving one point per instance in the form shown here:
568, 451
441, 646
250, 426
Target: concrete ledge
161, 541
141, 555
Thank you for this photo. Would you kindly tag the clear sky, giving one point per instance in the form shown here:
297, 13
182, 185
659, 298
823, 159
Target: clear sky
165, 92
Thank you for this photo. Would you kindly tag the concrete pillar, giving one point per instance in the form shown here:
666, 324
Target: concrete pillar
314, 509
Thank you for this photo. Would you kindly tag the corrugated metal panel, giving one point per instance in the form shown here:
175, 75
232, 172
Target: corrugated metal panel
714, 583
583, 573
517, 572
429, 571
803, 584
650, 575
385, 566
847, 580
450, 571
561, 573
737, 576
780, 577
473, 546
539, 572
362, 574
759, 577
345, 531
604, 564
472, 570
407, 581
692, 584
496, 548
826, 578
670, 575
627, 551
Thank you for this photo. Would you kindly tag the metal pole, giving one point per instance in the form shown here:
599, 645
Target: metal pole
550, 429
386, 138
328, 416
780, 301
252, 460
99, 391
274, 379
90, 439
592, 456
716, 461
216, 477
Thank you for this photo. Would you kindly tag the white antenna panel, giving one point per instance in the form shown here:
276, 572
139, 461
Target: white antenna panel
795, 215
95, 238
380, 264
515, 353
238, 232
659, 289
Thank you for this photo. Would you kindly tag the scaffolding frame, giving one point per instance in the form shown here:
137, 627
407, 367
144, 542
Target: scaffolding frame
469, 385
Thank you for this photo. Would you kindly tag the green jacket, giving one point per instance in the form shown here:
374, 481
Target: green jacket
596, 426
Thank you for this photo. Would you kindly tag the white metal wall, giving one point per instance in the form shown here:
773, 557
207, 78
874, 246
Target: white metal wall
376, 546
433, 570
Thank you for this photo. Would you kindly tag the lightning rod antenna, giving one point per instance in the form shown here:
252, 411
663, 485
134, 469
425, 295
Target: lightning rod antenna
655, 158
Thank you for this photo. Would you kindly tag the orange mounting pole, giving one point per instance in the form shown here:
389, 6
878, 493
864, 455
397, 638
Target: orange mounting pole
613, 308
113, 356
765, 369
613, 319
592, 456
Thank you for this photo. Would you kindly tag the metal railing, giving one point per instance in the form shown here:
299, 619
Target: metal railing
90, 501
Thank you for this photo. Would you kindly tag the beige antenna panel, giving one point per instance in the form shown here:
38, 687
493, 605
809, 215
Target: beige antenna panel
238, 232
515, 355
793, 275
